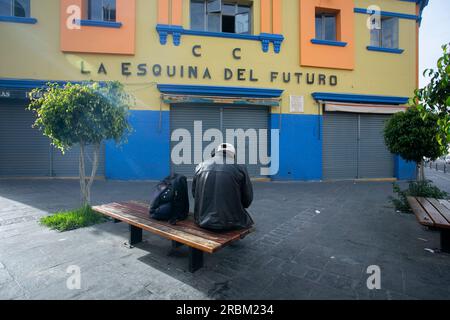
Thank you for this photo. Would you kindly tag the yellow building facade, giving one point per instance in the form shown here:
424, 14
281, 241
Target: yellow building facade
325, 73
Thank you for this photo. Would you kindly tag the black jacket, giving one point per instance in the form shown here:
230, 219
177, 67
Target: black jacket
222, 192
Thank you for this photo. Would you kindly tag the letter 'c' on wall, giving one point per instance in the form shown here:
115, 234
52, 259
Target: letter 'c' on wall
99, 39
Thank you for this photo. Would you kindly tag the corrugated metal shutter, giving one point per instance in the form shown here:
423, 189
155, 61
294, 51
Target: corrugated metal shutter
67, 165
354, 147
375, 160
24, 151
246, 118
340, 146
183, 117
216, 117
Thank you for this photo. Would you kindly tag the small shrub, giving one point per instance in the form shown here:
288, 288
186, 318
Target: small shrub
75, 219
423, 189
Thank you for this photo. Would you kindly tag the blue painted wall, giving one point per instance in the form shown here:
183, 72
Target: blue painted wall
300, 146
404, 170
146, 156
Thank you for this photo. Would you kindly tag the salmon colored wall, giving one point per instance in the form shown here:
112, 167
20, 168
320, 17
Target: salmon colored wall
271, 16
325, 56
177, 12
277, 16
89, 39
266, 25
170, 12
163, 11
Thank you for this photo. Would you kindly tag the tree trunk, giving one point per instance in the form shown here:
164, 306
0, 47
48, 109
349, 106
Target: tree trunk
420, 171
93, 172
84, 196
85, 183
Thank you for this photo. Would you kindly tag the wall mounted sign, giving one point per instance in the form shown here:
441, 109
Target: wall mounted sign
156, 70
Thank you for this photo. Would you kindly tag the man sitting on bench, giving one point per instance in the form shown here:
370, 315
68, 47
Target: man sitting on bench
223, 191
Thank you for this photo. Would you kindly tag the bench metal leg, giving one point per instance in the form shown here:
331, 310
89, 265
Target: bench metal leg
176, 245
135, 235
445, 241
117, 221
195, 259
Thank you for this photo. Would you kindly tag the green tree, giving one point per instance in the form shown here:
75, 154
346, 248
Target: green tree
435, 97
82, 114
414, 138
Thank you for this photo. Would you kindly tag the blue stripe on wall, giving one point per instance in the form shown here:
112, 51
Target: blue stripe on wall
300, 146
404, 170
146, 156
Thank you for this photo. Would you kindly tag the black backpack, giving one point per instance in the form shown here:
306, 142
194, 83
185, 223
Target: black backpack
170, 199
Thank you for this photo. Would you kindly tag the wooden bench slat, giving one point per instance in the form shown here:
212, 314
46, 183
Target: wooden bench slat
420, 213
185, 232
188, 226
434, 214
164, 231
444, 211
446, 205
438, 211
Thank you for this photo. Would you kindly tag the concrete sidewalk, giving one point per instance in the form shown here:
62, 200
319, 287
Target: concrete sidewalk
313, 241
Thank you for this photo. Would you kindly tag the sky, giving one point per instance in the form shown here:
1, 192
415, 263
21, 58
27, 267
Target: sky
434, 32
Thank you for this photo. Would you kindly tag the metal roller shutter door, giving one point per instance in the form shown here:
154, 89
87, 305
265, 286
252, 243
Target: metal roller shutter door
217, 117
67, 165
246, 118
375, 159
183, 117
25, 152
340, 146
354, 148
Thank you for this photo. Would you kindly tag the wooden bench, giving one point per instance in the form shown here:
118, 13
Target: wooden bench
433, 213
183, 233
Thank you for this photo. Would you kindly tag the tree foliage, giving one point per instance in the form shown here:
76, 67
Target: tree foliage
435, 97
82, 114
413, 137
424, 189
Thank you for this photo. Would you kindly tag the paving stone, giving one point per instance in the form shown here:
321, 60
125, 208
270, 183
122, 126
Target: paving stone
11, 290
5, 276
286, 287
338, 281
295, 253
327, 293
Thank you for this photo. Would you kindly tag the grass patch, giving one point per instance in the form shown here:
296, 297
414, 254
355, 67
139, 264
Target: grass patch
423, 189
74, 219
